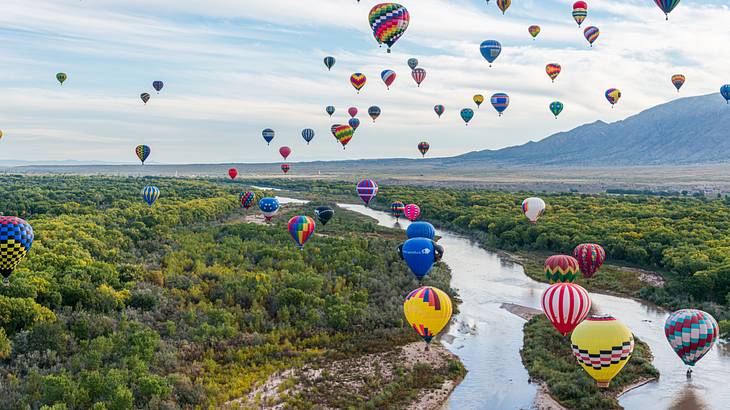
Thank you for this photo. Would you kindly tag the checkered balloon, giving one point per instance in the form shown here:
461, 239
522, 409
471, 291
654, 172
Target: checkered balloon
16, 238
691, 333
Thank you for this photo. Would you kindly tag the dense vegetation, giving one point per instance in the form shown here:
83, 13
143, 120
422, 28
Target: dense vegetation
120, 306
548, 357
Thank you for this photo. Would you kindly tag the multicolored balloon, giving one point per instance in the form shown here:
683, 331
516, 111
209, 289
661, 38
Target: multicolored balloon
590, 257
420, 254
374, 112
428, 310
358, 81
268, 135
591, 34
301, 229
367, 189
561, 268
352, 111
490, 49
397, 208
534, 30
324, 214
157, 85
691, 333
467, 114
150, 194
565, 305
421, 229
412, 212
233, 173
16, 239
284, 152
333, 130
580, 11
142, 151
533, 208
678, 81
344, 134
613, 95
329, 62
553, 70
439, 109
269, 207
389, 22
354, 123
247, 199
308, 135
500, 102
412, 63
419, 74
667, 6
145, 97
504, 5
388, 77
556, 107
602, 345
725, 92
285, 168
330, 110
478, 100
423, 148
61, 77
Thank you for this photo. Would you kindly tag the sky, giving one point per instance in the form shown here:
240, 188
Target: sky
234, 67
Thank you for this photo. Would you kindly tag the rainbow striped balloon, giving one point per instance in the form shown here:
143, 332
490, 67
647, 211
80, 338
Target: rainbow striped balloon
553, 70
389, 22
344, 134
301, 229
591, 33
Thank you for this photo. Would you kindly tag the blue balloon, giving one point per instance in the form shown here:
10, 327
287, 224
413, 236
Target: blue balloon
490, 49
308, 134
725, 92
420, 254
467, 114
268, 135
420, 229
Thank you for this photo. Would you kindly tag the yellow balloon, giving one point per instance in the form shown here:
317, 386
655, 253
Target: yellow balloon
1, 134
428, 310
603, 346
478, 99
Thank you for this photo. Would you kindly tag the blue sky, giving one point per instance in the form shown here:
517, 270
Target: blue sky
232, 68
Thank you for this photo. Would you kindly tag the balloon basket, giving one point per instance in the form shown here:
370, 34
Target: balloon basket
603, 385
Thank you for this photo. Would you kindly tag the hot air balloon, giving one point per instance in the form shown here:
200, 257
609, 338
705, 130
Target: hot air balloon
352, 111
421, 229
553, 70
285, 168
301, 229
412, 63
428, 310
269, 207
420, 254
504, 5
354, 123
533, 208
268, 135
388, 77
396, 209
324, 214
591, 33
478, 100
329, 62
613, 95
490, 49
61, 77
247, 199
678, 81
561, 268
602, 345
691, 333
467, 114
565, 305
439, 109
389, 21
233, 173
580, 11
412, 212
16, 238
284, 152
374, 112
1, 134
367, 189
725, 92
534, 31
145, 97
423, 147
157, 85
330, 110
500, 102
358, 81
142, 151
667, 6
308, 135
344, 134
333, 129
590, 257
556, 107
419, 74
150, 194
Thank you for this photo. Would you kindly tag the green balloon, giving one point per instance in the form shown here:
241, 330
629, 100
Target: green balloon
61, 77
556, 107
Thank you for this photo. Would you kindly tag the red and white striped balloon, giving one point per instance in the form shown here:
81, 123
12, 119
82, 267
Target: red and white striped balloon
565, 305
419, 74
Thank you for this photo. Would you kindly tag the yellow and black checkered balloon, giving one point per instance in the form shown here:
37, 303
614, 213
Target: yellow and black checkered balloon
16, 238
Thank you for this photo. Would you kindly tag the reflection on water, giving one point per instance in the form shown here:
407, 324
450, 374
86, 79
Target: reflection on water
498, 380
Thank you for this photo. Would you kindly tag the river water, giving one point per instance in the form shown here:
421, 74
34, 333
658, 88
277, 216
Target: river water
488, 339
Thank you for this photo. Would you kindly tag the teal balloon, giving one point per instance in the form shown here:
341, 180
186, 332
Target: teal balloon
556, 107
467, 114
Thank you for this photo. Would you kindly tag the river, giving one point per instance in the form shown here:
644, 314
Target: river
488, 339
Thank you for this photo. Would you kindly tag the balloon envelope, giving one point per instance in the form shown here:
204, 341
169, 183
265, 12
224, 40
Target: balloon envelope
330, 110
269, 207
678, 81
142, 151
301, 229
439, 109
389, 22
61, 77
419, 74
358, 81
285, 151
367, 189
388, 77
590, 257
467, 114
247, 199
16, 239
565, 305
533, 30
423, 147
268, 135
233, 173
157, 85
580, 11
412, 212
500, 102
591, 34
374, 112
420, 254
478, 99
150, 194
691, 333
412, 63
329, 62
490, 50
613, 95
561, 268
324, 214
397, 208
602, 345
352, 111
421, 229
725, 92
145, 97
556, 107
533, 208
308, 135
428, 310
